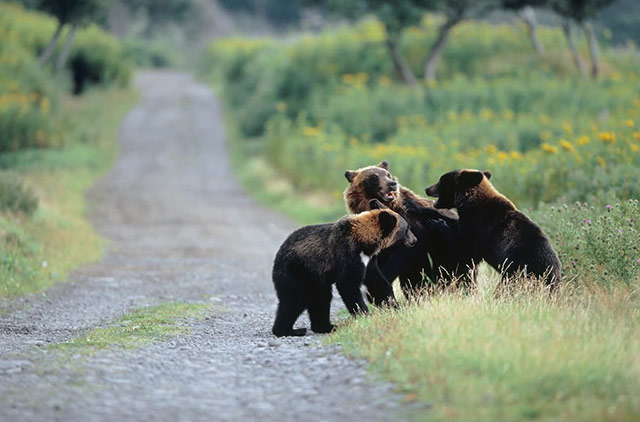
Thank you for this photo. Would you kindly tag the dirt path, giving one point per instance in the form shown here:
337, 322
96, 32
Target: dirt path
181, 229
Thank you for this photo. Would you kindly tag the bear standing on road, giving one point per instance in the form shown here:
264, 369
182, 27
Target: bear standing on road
496, 230
314, 257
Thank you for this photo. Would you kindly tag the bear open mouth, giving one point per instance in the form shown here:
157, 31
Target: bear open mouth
388, 197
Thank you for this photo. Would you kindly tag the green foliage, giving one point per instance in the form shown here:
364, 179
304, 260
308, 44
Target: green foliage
597, 243
95, 57
149, 54
15, 197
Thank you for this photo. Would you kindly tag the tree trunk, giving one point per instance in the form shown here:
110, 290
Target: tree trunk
593, 49
66, 49
431, 62
528, 16
566, 28
403, 69
53, 42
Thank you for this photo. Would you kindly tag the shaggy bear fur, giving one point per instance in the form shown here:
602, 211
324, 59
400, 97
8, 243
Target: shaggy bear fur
314, 257
438, 254
496, 230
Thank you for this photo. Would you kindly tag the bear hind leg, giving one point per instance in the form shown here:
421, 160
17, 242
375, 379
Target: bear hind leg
292, 303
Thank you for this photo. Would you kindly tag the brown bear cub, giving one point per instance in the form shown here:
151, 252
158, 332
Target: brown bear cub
496, 230
438, 254
314, 257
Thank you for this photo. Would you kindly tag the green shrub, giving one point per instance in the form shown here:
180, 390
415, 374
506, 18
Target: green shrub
95, 58
15, 197
148, 54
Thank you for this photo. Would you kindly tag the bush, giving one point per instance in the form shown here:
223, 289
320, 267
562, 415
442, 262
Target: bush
27, 99
95, 58
148, 54
14, 197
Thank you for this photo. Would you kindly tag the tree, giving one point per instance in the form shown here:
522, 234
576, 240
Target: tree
580, 11
524, 8
74, 12
455, 11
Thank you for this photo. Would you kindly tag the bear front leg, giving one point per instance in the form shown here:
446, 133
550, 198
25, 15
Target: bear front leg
319, 306
379, 289
351, 295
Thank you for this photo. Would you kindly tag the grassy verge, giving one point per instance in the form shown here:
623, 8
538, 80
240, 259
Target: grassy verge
140, 327
524, 357
270, 188
40, 250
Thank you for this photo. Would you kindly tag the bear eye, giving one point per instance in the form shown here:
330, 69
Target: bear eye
388, 175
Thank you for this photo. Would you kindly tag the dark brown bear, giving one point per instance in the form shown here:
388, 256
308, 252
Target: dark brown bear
496, 230
314, 257
438, 253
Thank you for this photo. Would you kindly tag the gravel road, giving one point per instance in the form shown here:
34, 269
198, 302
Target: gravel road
180, 229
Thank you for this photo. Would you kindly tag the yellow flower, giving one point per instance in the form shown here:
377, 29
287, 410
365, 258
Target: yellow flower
608, 137
486, 113
629, 122
502, 156
310, 131
567, 128
549, 148
491, 149
636, 135
566, 145
515, 155
347, 78
601, 161
635, 148
583, 140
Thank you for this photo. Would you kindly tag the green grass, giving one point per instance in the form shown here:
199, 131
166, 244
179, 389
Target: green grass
139, 327
270, 188
37, 251
472, 356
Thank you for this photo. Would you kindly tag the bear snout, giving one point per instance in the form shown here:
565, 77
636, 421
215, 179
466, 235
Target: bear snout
411, 240
432, 190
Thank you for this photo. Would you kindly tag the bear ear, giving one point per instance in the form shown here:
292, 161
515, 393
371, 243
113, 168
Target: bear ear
387, 222
487, 174
384, 164
469, 179
350, 175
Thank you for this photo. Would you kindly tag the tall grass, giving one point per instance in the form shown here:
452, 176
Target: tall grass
526, 356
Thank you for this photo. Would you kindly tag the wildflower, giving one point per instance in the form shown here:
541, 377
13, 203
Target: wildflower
587, 221
515, 155
567, 128
601, 161
549, 148
634, 147
619, 231
491, 149
608, 137
636, 135
508, 114
608, 207
310, 131
629, 122
566, 145
638, 260
583, 140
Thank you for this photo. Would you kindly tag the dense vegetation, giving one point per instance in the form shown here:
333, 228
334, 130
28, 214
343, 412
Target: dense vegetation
564, 148
52, 146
